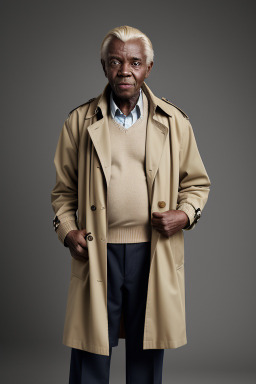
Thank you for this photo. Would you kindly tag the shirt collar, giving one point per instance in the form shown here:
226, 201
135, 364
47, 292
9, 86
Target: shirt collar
116, 111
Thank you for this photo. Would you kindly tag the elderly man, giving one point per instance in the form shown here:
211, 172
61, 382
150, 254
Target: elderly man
129, 179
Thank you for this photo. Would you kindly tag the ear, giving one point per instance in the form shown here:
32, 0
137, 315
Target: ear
149, 67
103, 66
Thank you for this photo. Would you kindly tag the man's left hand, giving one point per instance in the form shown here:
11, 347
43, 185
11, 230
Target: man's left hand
169, 222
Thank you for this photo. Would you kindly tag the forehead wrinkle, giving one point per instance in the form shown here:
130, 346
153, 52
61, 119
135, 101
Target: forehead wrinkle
130, 49
118, 57
134, 51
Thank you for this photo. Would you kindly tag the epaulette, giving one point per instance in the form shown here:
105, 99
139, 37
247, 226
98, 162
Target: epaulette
87, 102
183, 113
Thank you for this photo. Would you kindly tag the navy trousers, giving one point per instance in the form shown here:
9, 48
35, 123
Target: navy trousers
128, 271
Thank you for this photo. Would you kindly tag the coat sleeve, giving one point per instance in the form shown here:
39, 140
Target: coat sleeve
194, 183
64, 196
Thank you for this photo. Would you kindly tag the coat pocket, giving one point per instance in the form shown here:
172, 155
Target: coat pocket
80, 269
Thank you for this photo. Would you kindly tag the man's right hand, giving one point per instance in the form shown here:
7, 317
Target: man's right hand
77, 244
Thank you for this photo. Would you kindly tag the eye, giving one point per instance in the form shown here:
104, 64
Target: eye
114, 62
136, 63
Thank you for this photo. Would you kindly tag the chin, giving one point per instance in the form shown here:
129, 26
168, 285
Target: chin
126, 93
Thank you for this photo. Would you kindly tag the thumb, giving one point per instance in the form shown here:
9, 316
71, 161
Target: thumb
84, 231
157, 214
83, 241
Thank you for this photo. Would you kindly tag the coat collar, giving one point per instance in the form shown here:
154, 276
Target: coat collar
157, 132
102, 102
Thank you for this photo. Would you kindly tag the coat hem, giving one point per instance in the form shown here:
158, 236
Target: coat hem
167, 344
164, 344
89, 348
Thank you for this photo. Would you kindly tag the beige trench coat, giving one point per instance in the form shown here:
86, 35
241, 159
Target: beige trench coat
175, 174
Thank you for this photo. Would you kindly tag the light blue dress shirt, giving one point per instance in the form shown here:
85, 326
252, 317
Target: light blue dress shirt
134, 115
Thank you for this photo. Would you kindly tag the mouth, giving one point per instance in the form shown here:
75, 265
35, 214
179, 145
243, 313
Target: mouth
124, 85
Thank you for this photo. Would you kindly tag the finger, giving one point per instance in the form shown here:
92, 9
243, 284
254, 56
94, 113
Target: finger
156, 221
157, 214
81, 250
163, 233
77, 249
82, 256
81, 253
82, 242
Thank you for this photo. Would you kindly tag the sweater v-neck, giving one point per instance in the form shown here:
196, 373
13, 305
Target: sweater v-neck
137, 122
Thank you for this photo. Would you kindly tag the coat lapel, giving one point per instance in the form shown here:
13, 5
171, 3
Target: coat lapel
99, 131
157, 131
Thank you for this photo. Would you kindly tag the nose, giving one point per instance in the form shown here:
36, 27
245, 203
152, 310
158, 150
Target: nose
124, 70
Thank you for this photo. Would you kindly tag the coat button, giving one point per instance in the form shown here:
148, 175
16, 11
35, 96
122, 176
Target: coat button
88, 236
161, 204
93, 208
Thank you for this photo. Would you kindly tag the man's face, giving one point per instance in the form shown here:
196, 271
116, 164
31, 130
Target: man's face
125, 67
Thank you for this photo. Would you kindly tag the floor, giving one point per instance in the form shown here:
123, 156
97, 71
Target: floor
34, 365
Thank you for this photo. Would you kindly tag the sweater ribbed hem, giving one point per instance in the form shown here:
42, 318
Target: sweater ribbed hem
134, 234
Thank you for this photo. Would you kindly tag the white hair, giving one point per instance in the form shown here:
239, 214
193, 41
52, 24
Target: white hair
125, 33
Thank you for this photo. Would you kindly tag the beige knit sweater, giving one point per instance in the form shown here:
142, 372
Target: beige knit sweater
128, 205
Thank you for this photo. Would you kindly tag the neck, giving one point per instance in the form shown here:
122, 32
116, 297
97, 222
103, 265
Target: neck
126, 105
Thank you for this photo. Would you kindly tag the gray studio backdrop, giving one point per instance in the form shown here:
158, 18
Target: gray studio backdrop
205, 64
